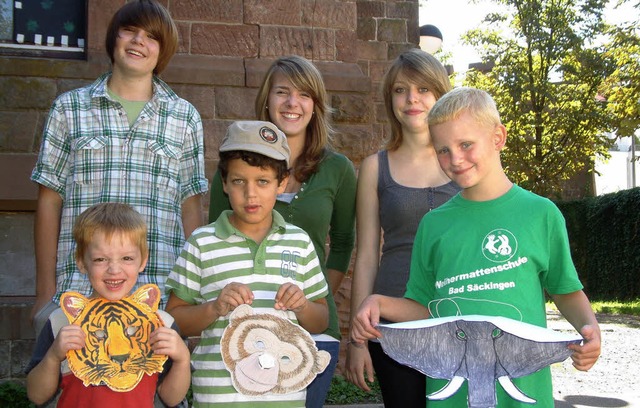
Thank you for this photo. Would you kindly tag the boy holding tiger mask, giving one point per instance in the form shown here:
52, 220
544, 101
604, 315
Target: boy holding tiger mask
114, 352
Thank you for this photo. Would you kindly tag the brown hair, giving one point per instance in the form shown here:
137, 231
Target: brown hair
252, 159
152, 17
423, 69
110, 218
305, 77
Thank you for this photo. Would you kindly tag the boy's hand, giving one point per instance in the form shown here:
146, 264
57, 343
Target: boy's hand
232, 296
69, 337
365, 320
290, 297
165, 340
586, 355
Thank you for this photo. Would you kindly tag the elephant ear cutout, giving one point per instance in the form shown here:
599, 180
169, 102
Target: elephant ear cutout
479, 349
269, 354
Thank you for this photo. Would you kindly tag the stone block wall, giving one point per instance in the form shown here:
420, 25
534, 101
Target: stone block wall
225, 48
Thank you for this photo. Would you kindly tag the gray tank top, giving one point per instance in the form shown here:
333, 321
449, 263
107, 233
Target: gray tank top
401, 209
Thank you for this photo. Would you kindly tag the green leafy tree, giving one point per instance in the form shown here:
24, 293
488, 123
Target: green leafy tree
545, 77
621, 89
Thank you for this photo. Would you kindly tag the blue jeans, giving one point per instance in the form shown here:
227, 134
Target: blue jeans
318, 389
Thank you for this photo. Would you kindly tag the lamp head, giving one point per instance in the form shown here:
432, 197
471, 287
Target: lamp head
430, 38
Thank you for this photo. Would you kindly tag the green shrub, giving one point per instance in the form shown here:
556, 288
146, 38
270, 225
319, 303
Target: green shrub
14, 395
604, 234
342, 392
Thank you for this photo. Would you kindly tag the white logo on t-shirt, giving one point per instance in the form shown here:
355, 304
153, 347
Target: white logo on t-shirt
499, 245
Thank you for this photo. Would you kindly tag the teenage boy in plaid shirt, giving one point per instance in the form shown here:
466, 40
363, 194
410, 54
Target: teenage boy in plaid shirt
127, 138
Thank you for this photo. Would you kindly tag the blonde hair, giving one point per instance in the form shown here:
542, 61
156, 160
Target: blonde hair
478, 103
421, 68
110, 219
153, 18
305, 77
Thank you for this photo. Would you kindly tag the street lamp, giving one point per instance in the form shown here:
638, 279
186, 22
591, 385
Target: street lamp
430, 38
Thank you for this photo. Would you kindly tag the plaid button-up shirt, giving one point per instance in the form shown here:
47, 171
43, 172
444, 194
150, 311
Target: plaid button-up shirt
90, 154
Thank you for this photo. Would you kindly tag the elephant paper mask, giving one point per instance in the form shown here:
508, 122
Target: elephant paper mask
480, 349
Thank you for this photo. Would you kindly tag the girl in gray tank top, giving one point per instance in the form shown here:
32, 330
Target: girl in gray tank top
396, 187
401, 209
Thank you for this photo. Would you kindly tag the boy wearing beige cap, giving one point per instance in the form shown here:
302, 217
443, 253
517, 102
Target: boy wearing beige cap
249, 255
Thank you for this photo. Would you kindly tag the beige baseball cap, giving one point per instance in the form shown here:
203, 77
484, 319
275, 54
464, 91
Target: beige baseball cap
258, 137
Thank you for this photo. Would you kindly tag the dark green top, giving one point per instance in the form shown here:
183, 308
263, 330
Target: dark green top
324, 206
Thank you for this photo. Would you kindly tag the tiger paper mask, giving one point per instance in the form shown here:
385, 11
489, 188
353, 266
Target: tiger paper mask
117, 351
266, 353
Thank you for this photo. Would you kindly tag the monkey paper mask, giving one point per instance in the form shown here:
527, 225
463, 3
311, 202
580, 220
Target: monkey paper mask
480, 349
117, 351
266, 353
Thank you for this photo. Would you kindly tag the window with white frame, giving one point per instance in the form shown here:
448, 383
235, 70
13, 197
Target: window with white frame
43, 27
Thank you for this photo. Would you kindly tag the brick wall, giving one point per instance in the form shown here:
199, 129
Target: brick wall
225, 48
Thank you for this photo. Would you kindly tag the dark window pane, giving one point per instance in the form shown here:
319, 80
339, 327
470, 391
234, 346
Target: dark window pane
50, 22
6, 20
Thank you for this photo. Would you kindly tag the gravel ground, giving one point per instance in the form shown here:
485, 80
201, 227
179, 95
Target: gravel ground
614, 381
